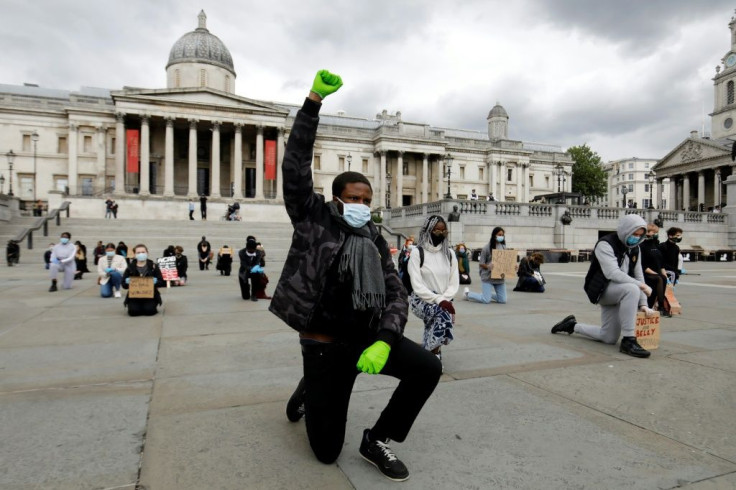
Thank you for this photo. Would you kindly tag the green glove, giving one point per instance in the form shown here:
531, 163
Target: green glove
374, 357
326, 83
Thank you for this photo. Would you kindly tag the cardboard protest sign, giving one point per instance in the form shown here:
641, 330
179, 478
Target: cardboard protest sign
647, 330
168, 268
675, 307
504, 264
140, 287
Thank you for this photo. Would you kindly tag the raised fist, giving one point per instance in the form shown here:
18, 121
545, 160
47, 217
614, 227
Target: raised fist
326, 83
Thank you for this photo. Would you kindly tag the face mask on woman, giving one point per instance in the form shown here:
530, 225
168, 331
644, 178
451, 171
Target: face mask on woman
500, 239
64, 240
109, 253
141, 257
461, 250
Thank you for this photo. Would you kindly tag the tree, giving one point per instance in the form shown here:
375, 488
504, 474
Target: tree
588, 176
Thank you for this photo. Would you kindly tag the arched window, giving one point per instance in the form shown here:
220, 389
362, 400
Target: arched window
729, 92
202, 78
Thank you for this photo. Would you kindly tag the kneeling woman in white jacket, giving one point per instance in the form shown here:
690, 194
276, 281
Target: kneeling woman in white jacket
434, 281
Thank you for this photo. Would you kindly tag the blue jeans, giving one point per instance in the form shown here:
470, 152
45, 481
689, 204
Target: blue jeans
491, 292
113, 281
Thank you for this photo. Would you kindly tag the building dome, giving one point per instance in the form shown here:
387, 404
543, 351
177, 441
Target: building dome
497, 111
200, 46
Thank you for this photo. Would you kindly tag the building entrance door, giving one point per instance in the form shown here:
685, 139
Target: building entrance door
250, 182
203, 181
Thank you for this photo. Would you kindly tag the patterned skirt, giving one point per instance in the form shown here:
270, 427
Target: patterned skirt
437, 322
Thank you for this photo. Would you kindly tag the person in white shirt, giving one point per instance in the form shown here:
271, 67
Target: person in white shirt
110, 270
473, 195
434, 281
62, 260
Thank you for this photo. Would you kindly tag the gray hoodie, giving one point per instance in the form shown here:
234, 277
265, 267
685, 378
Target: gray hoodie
607, 259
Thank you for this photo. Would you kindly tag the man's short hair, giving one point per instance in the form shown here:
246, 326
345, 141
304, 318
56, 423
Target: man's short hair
345, 178
674, 231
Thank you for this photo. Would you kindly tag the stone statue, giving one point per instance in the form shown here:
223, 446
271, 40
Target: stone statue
454, 215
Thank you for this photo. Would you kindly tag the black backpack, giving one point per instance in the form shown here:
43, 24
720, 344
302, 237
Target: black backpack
404, 270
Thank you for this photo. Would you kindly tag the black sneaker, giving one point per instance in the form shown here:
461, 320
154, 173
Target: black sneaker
630, 346
53, 287
566, 325
380, 455
295, 405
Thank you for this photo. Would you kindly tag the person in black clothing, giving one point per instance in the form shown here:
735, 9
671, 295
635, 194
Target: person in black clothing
169, 251
81, 260
203, 206
12, 253
251, 269
671, 254
654, 273
203, 252
142, 266
182, 264
225, 260
530, 275
339, 289
47, 256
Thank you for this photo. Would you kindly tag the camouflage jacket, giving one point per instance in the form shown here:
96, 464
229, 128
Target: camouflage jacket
317, 241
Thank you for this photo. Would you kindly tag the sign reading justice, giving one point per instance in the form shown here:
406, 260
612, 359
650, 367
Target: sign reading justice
504, 263
647, 330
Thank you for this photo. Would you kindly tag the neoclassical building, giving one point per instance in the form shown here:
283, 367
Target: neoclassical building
196, 136
698, 167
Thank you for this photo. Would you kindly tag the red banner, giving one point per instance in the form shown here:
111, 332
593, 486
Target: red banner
133, 143
270, 162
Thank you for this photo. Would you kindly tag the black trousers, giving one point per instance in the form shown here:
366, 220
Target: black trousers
246, 290
329, 375
191, 215
658, 284
142, 307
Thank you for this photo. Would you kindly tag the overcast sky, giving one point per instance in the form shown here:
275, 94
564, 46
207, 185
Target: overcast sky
628, 77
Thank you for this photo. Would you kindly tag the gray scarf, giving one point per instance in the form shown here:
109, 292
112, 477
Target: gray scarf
360, 259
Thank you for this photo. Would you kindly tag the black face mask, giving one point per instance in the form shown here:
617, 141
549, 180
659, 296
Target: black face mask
436, 240
676, 240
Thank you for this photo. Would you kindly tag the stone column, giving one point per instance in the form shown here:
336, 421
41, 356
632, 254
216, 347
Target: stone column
280, 147
382, 177
169, 159
120, 154
101, 158
656, 200
519, 182
425, 177
238, 161
701, 189
672, 200
686, 192
72, 176
399, 199
730, 209
145, 152
716, 188
215, 161
192, 187
502, 178
526, 182
492, 168
259, 162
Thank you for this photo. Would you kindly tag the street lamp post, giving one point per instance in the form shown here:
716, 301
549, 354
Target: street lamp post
448, 170
349, 158
624, 191
650, 176
34, 138
2, 183
11, 159
561, 180
388, 190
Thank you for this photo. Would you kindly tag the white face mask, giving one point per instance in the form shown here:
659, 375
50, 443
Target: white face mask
356, 215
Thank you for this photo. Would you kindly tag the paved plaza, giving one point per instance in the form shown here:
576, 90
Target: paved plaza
194, 398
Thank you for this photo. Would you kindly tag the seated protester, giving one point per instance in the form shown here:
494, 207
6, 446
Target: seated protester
403, 258
12, 253
654, 273
250, 270
99, 251
615, 281
142, 266
170, 251
463, 263
225, 260
62, 261
182, 264
531, 279
261, 291
47, 256
110, 270
81, 259
671, 254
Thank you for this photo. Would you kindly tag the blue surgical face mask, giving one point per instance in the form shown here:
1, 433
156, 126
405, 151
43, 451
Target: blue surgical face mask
141, 257
633, 241
356, 215
109, 253
499, 239
64, 240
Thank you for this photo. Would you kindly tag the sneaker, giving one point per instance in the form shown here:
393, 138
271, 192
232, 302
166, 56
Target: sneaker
253, 298
53, 287
380, 455
295, 405
116, 294
630, 346
466, 292
566, 325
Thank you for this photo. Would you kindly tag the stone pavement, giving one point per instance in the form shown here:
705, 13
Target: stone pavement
194, 398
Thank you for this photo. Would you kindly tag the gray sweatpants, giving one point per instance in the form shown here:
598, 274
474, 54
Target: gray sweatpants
619, 305
68, 270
